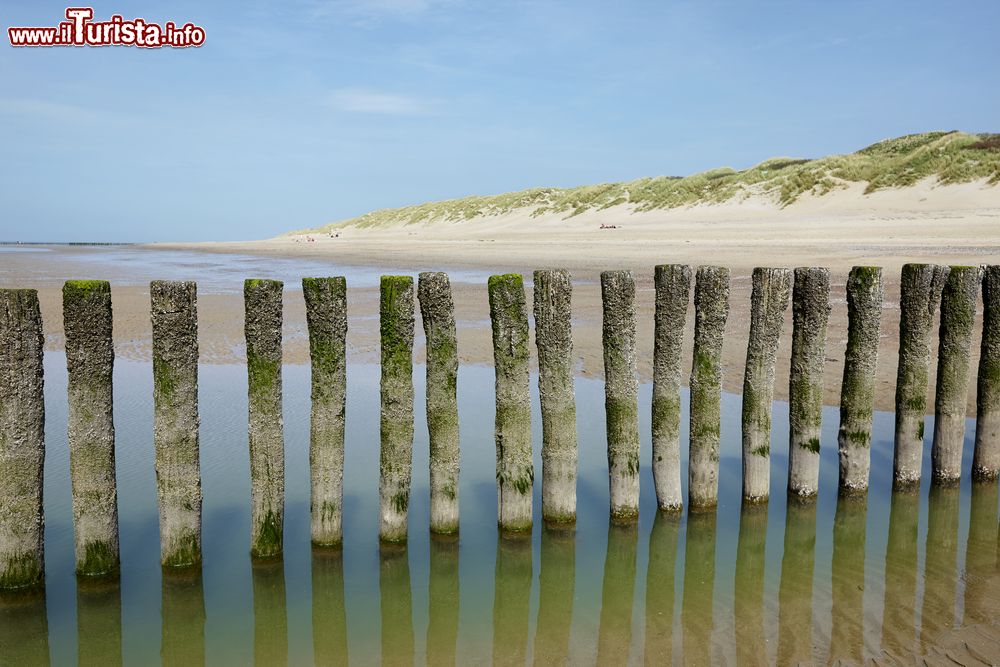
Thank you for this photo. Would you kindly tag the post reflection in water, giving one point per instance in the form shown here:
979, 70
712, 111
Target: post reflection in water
442, 627
940, 577
329, 618
749, 607
99, 622
660, 589
511, 599
270, 624
24, 631
848, 579
183, 618
699, 587
795, 591
556, 581
899, 616
982, 576
396, 605
615, 634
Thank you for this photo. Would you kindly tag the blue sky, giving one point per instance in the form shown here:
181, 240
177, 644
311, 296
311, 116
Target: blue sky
298, 113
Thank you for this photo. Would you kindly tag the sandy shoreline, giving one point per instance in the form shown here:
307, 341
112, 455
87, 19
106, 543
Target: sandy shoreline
948, 225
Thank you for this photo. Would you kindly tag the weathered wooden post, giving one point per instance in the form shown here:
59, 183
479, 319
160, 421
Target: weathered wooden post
262, 327
711, 307
515, 469
174, 314
90, 359
621, 393
920, 288
326, 318
986, 459
958, 314
554, 340
768, 302
396, 454
438, 312
22, 440
673, 291
857, 391
810, 313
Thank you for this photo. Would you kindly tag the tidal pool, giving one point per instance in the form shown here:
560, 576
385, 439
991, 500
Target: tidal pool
774, 584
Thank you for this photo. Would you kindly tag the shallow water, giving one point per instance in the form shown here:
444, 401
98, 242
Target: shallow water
773, 584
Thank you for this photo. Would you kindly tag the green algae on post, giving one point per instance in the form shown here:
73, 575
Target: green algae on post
326, 318
174, 316
711, 308
768, 303
621, 393
437, 310
810, 314
396, 451
958, 314
22, 440
90, 358
673, 291
554, 341
857, 390
986, 459
262, 299
920, 288
515, 468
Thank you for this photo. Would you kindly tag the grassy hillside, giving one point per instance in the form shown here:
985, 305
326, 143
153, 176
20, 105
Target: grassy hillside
953, 157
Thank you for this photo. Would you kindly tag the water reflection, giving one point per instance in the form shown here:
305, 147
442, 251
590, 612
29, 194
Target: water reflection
270, 624
699, 588
556, 583
443, 603
396, 605
615, 635
795, 592
511, 599
329, 616
899, 613
99, 622
24, 632
941, 579
982, 574
749, 607
183, 617
848, 579
660, 573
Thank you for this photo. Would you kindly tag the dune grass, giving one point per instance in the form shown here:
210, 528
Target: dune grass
951, 157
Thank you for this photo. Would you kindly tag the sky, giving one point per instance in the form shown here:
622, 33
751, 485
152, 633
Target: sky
299, 113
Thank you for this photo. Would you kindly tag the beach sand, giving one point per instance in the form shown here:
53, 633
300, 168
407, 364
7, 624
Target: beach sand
926, 223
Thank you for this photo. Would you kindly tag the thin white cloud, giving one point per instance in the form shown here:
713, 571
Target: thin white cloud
357, 100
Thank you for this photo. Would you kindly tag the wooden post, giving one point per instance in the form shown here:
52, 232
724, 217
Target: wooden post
857, 391
621, 393
396, 454
986, 459
711, 306
438, 312
174, 314
515, 469
326, 317
920, 293
90, 358
554, 340
768, 303
262, 299
673, 291
22, 441
810, 313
